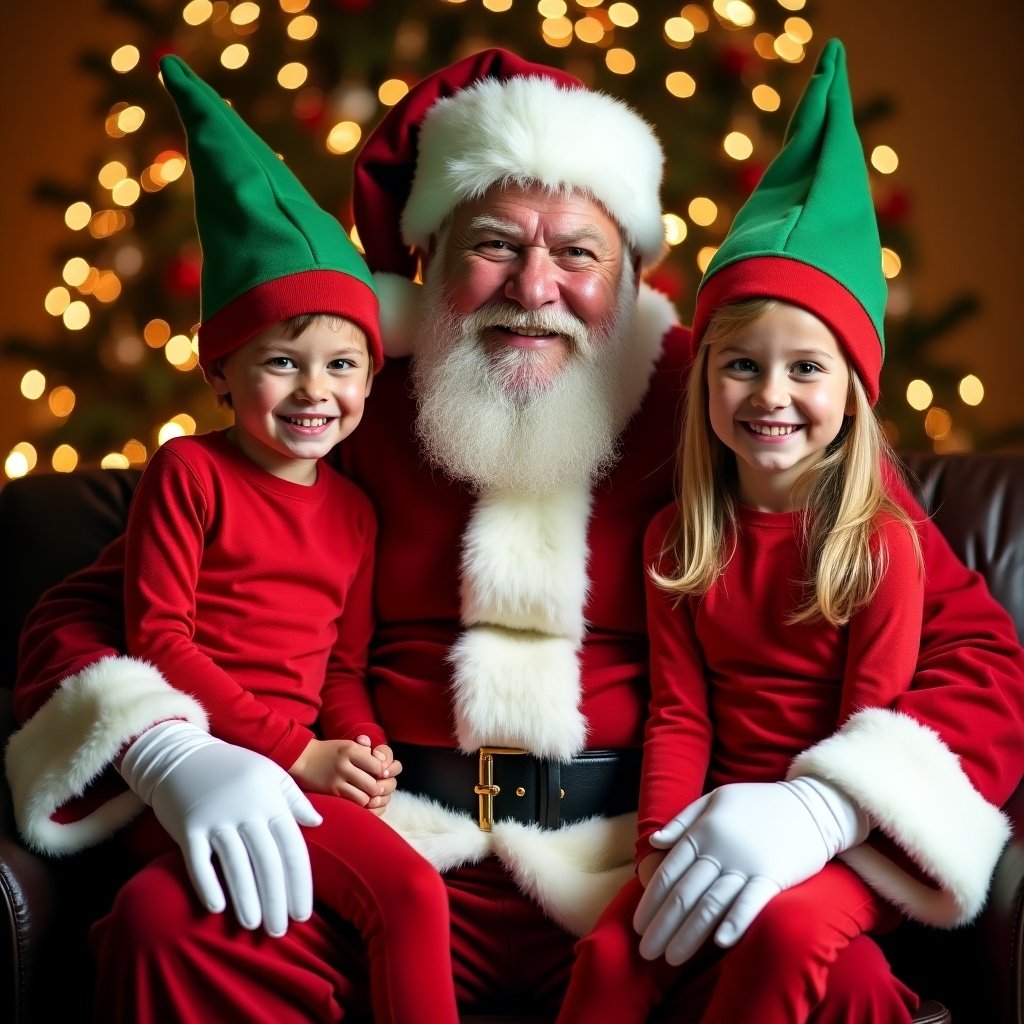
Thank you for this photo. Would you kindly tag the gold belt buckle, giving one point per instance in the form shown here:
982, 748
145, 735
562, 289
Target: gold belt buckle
485, 788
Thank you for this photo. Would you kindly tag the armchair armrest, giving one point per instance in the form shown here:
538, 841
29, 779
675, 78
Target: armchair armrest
28, 901
976, 971
1000, 928
46, 904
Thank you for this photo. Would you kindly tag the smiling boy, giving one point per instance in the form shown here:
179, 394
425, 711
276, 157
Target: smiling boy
249, 568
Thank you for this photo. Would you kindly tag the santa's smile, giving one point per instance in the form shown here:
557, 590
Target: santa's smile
526, 337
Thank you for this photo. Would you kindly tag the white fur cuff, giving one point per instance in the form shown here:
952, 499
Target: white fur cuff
72, 740
912, 785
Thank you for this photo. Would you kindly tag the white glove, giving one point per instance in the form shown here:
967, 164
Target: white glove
731, 852
217, 798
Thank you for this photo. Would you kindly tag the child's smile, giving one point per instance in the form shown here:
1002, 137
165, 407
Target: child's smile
295, 398
778, 393
771, 432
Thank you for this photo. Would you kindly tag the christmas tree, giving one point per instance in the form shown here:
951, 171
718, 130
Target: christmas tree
717, 80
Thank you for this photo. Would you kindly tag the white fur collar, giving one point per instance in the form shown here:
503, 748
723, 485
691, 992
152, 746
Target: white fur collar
524, 589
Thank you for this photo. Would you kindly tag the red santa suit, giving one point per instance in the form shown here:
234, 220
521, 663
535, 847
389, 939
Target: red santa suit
569, 873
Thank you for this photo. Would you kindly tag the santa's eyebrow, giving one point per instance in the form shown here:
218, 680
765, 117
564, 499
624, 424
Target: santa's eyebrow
488, 222
584, 233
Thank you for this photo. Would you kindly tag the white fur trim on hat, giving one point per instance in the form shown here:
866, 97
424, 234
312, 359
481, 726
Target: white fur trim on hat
529, 129
74, 737
913, 788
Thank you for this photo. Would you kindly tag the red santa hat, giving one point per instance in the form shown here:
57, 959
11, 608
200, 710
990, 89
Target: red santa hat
494, 117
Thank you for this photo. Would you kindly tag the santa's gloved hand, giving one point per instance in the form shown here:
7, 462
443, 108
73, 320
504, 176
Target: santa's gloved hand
731, 852
217, 798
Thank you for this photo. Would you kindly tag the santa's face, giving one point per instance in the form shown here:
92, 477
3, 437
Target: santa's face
539, 272
523, 352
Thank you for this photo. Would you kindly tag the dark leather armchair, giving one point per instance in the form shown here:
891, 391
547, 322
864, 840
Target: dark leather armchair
52, 524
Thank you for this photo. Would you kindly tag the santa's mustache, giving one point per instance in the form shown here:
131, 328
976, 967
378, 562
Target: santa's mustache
516, 319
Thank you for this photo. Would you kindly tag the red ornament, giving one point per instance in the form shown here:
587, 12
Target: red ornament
310, 109
161, 48
734, 61
894, 206
748, 174
182, 275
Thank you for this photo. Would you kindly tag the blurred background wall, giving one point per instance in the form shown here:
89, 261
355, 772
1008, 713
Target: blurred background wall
937, 82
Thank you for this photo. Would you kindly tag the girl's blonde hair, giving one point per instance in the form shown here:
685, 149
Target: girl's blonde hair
844, 564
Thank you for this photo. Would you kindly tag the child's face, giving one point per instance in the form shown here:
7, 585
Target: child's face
294, 399
777, 395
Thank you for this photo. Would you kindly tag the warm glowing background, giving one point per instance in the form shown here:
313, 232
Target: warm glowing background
951, 71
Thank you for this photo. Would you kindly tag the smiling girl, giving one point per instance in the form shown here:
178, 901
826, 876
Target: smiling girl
784, 596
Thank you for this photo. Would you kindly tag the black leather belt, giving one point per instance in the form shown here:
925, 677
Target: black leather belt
504, 782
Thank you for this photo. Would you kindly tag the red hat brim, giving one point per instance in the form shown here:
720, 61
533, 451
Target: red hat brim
789, 280
320, 291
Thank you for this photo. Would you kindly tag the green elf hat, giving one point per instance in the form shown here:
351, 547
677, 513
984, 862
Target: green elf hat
269, 251
807, 234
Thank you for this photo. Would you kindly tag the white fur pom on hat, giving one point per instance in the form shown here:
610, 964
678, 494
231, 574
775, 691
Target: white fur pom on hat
493, 118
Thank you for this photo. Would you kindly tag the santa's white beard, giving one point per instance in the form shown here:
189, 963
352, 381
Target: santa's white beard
492, 422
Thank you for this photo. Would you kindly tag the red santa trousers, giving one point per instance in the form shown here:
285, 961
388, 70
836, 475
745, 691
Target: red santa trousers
162, 958
778, 973
363, 871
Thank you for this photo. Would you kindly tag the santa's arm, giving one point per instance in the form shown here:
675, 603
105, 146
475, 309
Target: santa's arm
933, 769
83, 705
79, 701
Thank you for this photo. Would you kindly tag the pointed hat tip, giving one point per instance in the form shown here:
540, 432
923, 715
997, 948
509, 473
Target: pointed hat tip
172, 66
833, 56
808, 232
833, 47
178, 78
